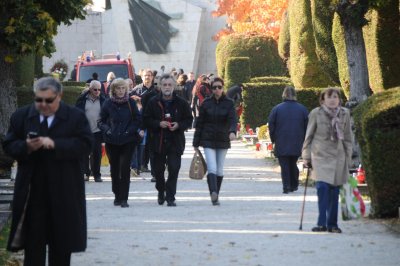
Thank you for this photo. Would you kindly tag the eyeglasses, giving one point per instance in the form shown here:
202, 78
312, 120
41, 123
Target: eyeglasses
46, 100
96, 89
217, 87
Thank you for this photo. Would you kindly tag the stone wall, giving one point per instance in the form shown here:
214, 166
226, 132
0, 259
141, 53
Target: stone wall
192, 49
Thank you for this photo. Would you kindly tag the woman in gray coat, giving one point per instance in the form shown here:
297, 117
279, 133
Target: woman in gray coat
327, 149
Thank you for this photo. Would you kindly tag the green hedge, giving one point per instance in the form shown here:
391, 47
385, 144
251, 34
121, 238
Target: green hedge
25, 70
305, 69
322, 17
377, 122
340, 47
260, 98
70, 95
270, 79
237, 71
262, 51
73, 83
382, 42
284, 37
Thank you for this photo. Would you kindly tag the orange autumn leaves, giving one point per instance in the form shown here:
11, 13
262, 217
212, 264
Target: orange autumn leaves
251, 16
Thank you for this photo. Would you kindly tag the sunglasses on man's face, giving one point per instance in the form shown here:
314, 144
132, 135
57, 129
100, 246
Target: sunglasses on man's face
95, 89
217, 87
46, 100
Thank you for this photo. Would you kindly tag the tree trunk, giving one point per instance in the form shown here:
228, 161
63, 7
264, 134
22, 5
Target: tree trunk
8, 95
357, 61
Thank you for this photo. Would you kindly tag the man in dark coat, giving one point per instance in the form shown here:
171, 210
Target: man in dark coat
287, 128
90, 102
167, 116
48, 139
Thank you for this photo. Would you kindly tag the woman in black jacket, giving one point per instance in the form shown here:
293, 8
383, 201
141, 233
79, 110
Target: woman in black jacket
119, 122
215, 129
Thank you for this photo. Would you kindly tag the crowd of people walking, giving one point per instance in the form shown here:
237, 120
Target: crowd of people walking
143, 127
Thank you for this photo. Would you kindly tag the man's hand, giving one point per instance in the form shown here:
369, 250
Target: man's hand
164, 124
33, 144
307, 164
141, 133
232, 136
48, 143
174, 126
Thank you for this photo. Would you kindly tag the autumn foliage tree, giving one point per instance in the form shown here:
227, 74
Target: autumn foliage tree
251, 16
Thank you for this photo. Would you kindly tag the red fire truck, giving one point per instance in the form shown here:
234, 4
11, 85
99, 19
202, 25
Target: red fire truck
88, 64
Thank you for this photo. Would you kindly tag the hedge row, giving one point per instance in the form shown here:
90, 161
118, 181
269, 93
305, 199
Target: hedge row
377, 122
237, 71
340, 47
382, 42
305, 69
262, 51
270, 79
322, 16
70, 95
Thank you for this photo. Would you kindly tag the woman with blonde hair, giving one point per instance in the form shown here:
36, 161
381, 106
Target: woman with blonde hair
119, 122
327, 150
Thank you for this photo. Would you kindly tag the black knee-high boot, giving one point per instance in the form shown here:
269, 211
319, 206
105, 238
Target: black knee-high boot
219, 182
212, 186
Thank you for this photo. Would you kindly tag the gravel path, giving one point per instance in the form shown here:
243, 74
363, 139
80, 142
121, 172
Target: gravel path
255, 225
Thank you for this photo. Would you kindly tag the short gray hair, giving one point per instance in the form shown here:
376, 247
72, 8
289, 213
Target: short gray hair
48, 83
95, 83
289, 93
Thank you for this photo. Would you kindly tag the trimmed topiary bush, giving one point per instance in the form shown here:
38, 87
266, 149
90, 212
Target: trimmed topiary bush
377, 122
25, 70
284, 37
237, 71
322, 16
262, 51
382, 42
271, 79
70, 95
340, 47
305, 69
73, 83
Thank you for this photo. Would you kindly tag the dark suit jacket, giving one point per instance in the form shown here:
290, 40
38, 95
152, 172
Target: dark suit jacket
287, 127
71, 134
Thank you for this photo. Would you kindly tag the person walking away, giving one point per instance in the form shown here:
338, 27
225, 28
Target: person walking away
167, 116
90, 103
215, 129
48, 139
327, 149
287, 126
119, 122
146, 91
189, 87
235, 93
201, 90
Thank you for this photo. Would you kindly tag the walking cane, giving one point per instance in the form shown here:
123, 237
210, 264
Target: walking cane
304, 199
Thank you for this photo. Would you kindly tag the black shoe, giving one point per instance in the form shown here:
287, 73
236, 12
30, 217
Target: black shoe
153, 179
335, 230
319, 229
216, 203
145, 170
294, 189
98, 179
285, 191
171, 204
124, 204
161, 198
117, 203
214, 197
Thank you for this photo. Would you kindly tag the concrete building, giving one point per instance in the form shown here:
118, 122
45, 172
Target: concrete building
191, 48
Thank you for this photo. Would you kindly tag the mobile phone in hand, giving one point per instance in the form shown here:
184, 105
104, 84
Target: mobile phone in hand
33, 134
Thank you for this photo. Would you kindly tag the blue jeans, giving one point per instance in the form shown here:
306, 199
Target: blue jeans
215, 159
328, 203
137, 157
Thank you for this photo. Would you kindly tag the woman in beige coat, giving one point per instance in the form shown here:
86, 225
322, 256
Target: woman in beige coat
327, 149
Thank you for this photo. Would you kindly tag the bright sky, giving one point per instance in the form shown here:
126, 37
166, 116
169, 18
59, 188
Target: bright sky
98, 5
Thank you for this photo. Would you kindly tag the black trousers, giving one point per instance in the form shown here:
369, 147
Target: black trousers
39, 227
93, 162
120, 159
172, 158
289, 172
